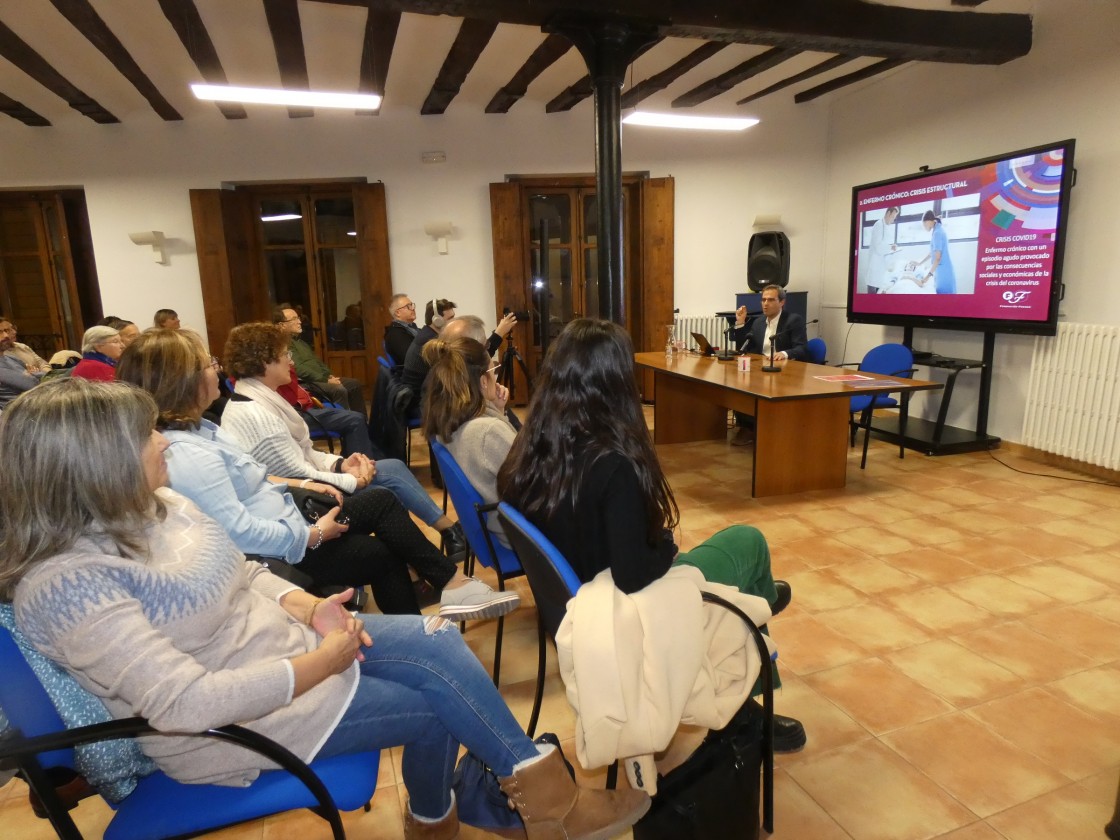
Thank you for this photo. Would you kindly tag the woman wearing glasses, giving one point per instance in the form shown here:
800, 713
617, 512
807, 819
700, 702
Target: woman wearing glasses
465, 411
209, 467
270, 430
101, 348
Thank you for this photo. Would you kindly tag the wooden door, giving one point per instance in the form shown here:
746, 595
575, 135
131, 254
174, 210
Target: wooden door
647, 264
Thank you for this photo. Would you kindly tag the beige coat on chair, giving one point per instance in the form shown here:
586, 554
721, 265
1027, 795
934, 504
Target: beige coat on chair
636, 667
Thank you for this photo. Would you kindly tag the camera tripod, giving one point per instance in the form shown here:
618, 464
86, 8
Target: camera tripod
510, 355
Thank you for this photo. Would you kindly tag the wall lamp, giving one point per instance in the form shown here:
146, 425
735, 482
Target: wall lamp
156, 239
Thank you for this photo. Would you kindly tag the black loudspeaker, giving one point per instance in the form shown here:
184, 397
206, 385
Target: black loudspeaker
767, 260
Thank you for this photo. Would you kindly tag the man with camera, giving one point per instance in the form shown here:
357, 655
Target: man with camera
416, 369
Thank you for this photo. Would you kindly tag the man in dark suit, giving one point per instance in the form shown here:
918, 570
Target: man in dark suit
788, 327
401, 332
788, 332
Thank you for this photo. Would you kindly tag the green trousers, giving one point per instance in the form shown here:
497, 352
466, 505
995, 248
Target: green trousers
737, 556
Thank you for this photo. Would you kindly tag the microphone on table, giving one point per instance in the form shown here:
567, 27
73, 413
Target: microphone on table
771, 367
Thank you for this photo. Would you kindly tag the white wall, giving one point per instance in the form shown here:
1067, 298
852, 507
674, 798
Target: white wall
942, 115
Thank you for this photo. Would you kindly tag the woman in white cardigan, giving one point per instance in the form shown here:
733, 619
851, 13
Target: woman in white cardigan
270, 430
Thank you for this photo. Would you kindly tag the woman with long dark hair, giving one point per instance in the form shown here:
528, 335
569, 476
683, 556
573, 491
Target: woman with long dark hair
146, 602
583, 469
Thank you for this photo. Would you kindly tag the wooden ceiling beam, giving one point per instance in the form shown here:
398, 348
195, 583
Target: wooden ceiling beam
287, 41
828, 26
18, 111
570, 96
19, 53
585, 87
815, 70
86, 20
472, 39
851, 78
187, 22
660, 81
736, 75
377, 50
547, 53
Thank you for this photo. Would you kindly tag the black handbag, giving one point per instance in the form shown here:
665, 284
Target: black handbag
715, 792
313, 504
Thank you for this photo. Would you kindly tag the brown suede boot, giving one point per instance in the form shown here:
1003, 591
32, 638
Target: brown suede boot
553, 807
418, 829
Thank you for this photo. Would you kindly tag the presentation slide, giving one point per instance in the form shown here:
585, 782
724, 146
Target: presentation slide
973, 242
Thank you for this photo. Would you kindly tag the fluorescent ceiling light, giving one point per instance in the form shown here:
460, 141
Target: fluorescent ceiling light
683, 121
281, 217
273, 96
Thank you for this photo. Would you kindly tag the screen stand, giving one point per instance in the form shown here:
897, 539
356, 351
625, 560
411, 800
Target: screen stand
935, 437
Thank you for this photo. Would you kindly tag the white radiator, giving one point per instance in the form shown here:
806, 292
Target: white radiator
1073, 401
711, 327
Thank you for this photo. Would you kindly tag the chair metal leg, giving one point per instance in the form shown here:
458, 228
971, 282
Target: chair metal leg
498, 649
542, 661
865, 421
57, 812
612, 775
904, 413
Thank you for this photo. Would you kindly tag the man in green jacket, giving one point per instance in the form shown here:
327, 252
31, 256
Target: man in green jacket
343, 390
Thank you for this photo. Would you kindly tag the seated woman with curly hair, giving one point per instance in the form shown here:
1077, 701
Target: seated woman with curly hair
270, 430
214, 471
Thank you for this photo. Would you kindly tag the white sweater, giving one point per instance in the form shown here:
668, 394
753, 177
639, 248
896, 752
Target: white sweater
266, 437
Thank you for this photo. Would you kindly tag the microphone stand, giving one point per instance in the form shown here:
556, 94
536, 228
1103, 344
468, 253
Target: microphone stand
771, 367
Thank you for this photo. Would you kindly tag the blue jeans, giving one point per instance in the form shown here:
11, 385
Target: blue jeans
429, 692
396, 477
350, 424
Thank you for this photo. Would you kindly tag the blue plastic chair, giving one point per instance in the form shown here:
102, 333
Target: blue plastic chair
160, 806
889, 360
488, 551
816, 350
554, 583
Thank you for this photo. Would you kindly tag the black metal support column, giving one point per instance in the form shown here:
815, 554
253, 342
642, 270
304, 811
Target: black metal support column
607, 48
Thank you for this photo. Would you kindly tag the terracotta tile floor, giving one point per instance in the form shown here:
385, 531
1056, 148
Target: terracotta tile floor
953, 648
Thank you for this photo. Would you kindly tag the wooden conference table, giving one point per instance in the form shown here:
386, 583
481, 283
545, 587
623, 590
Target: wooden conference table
801, 421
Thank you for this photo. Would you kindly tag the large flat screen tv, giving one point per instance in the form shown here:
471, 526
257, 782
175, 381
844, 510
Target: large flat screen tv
977, 246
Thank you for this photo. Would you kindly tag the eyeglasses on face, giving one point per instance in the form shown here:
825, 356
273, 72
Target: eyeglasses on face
409, 306
215, 364
494, 370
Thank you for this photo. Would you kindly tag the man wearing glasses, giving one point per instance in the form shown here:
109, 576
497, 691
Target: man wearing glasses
401, 332
342, 390
15, 378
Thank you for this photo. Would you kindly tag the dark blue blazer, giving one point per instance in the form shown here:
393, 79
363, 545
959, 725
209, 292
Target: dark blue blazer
791, 336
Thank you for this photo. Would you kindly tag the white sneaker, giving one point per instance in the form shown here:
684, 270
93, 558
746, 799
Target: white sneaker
474, 599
